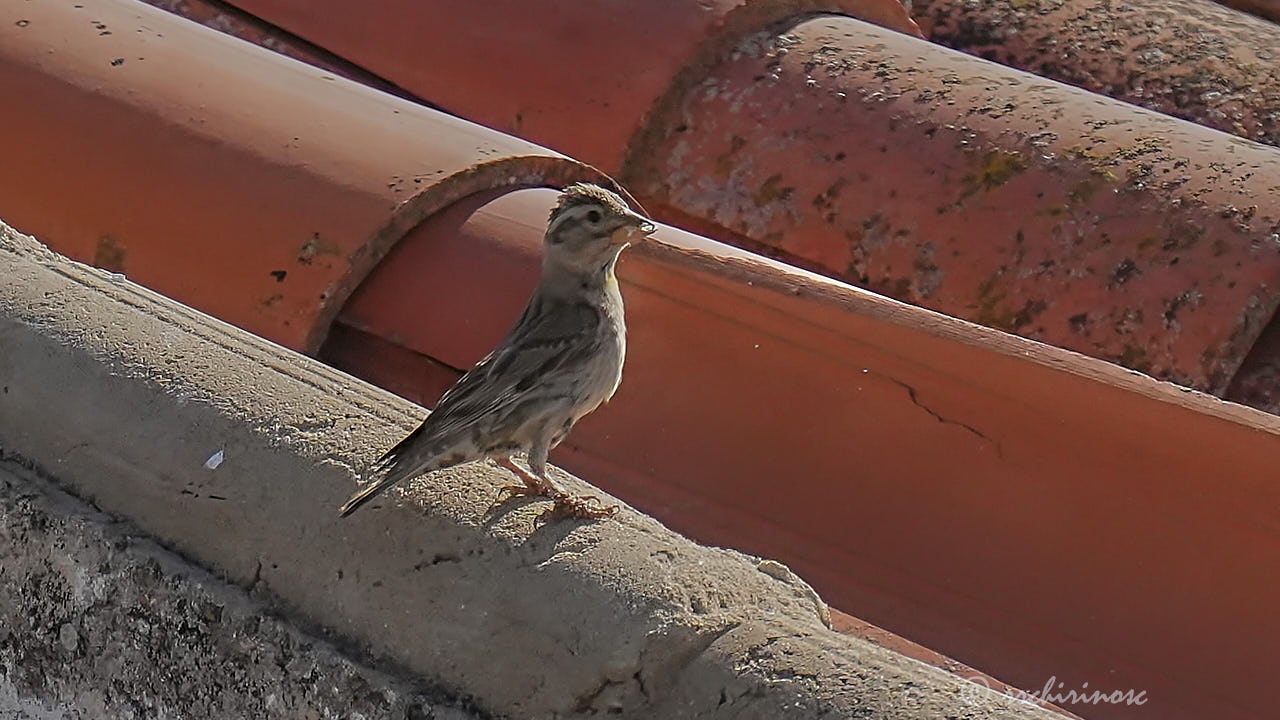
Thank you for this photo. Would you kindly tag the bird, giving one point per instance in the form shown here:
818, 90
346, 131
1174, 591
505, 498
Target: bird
561, 360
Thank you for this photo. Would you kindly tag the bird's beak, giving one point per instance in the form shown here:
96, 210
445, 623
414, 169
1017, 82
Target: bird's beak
639, 228
643, 226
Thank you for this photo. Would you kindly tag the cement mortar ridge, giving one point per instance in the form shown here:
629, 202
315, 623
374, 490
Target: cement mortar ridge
123, 395
98, 621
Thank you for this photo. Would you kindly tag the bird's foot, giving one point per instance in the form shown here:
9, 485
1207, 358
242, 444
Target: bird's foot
584, 507
525, 490
532, 485
511, 492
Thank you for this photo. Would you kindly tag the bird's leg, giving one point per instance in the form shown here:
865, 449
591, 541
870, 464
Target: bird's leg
566, 505
533, 485
539, 484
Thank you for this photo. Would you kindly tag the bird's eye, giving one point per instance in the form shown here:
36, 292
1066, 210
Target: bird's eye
593, 216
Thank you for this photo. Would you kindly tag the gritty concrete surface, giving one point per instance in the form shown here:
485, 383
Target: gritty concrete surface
125, 396
97, 621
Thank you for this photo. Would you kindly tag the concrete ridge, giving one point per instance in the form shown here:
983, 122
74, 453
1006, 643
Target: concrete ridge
98, 621
124, 395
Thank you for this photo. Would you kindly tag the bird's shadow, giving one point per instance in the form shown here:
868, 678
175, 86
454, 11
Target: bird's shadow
505, 504
550, 526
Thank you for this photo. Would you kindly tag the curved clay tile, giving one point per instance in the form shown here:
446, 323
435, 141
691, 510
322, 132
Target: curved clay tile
919, 469
224, 18
871, 157
962, 487
981, 192
1193, 59
253, 187
1269, 9
576, 76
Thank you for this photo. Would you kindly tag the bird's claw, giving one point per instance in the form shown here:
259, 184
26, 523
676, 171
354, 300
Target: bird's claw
524, 490
564, 505
584, 507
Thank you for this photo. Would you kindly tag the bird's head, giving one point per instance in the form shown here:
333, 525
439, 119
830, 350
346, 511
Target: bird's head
589, 227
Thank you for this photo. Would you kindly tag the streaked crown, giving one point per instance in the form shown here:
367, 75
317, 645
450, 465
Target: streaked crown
582, 194
585, 211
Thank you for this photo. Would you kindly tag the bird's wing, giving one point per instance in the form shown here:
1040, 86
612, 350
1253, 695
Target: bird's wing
552, 339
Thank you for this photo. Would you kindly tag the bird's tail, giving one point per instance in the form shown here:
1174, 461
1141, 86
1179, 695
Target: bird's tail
366, 495
391, 469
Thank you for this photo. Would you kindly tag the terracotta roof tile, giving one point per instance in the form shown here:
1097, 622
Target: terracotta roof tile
868, 156
981, 192
962, 487
943, 464
259, 189
1193, 59
578, 77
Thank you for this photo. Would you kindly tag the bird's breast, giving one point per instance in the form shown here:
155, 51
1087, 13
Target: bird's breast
605, 372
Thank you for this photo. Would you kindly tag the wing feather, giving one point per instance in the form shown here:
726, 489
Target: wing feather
552, 340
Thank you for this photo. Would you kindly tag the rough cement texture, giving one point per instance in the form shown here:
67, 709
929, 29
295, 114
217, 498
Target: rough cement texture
124, 395
97, 621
